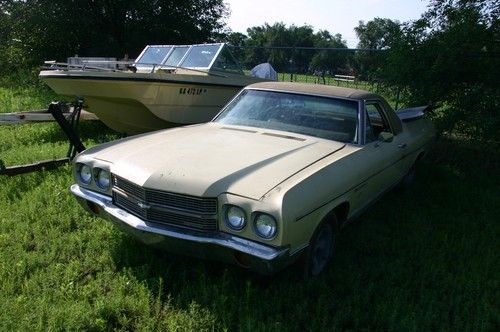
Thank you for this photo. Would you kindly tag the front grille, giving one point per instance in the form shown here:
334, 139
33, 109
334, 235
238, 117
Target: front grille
129, 187
129, 205
198, 213
195, 204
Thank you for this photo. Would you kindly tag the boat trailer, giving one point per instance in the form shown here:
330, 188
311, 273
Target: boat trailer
68, 121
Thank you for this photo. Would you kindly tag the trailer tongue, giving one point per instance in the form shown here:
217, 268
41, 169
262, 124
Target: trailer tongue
68, 122
40, 116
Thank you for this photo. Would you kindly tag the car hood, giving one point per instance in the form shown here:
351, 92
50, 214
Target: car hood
210, 159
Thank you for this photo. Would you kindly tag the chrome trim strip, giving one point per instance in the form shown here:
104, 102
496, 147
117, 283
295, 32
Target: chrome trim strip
220, 239
361, 123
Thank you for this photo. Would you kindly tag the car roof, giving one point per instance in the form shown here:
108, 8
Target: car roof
316, 89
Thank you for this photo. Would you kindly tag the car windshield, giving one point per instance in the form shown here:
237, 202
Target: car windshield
324, 117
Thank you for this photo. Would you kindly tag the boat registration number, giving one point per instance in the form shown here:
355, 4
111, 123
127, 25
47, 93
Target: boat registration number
192, 91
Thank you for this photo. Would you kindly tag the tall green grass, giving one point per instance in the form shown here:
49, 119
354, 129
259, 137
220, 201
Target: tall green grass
423, 259
25, 98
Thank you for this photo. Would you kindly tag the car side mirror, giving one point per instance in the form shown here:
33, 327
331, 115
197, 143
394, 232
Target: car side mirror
386, 136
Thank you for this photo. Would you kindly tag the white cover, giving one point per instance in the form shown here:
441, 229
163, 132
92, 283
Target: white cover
265, 70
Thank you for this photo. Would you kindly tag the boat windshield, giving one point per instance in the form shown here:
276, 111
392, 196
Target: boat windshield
324, 117
226, 62
176, 56
208, 57
200, 56
153, 55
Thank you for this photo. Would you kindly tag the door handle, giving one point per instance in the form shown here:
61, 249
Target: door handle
402, 145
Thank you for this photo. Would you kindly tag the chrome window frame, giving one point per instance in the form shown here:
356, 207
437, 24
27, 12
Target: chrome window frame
361, 122
383, 109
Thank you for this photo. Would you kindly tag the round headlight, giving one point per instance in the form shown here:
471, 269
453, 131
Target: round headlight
103, 179
85, 173
235, 218
265, 226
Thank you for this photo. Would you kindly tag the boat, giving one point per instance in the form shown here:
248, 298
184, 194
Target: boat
166, 86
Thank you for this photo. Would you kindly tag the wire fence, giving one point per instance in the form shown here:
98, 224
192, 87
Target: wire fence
352, 68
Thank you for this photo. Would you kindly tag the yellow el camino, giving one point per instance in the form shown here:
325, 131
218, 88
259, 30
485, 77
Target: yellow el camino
270, 180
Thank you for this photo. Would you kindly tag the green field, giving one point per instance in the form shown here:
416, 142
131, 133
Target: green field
423, 259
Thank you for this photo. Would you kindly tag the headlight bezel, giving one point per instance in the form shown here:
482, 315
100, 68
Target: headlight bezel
79, 168
227, 209
97, 173
256, 217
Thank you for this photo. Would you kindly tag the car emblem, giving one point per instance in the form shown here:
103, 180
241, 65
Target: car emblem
144, 205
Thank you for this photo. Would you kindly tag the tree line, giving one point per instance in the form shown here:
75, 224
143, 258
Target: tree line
32, 31
449, 57
291, 49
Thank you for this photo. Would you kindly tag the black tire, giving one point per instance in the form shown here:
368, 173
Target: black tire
409, 178
320, 250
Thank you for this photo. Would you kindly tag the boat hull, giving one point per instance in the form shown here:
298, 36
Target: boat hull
135, 103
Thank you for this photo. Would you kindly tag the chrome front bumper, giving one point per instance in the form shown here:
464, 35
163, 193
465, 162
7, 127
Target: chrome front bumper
217, 246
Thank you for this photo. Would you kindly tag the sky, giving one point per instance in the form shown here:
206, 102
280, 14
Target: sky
336, 16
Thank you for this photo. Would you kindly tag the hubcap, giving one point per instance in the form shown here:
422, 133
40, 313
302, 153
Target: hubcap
322, 249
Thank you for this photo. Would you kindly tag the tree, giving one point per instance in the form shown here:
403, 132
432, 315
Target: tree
450, 57
375, 35
329, 60
286, 48
278, 35
60, 28
238, 41
302, 36
264, 44
257, 39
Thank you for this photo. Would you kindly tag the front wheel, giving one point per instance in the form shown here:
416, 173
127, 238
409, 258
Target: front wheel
409, 178
320, 250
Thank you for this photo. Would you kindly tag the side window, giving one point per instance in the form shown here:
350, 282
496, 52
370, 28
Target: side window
375, 121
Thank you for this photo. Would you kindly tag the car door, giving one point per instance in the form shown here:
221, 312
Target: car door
381, 160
